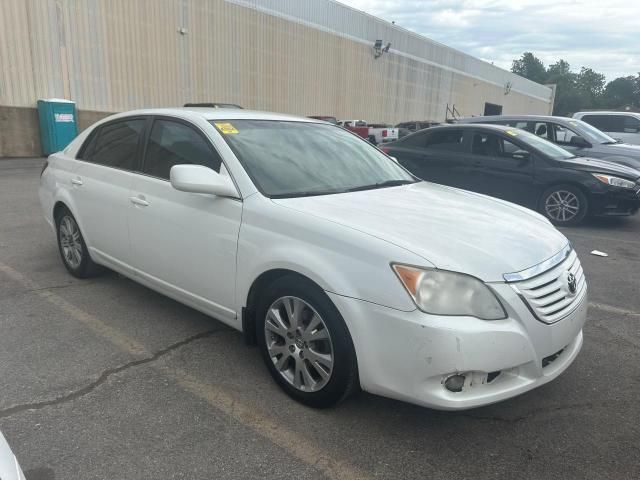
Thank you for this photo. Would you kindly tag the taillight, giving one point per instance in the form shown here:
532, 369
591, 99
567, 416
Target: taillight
384, 133
44, 167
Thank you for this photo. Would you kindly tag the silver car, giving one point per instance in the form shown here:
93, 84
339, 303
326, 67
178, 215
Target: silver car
574, 135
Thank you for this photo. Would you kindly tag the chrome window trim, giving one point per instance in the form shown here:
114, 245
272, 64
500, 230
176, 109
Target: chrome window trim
540, 268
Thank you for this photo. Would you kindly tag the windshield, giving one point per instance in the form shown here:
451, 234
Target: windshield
546, 147
591, 133
291, 159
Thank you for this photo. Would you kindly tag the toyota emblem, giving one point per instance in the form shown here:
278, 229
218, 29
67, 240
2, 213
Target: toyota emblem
572, 283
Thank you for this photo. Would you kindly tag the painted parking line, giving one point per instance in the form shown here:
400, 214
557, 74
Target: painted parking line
246, 414
611, 309
120, 340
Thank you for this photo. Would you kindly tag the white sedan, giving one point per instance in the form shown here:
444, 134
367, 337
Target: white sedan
9, 466
345, 270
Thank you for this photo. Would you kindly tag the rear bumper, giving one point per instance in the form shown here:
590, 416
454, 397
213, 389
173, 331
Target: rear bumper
409, 355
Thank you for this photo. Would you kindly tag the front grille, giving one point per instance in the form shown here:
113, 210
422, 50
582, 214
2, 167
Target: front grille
549, 296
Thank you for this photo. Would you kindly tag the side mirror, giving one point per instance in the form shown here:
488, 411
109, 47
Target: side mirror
521, 155
578, 141
199, 179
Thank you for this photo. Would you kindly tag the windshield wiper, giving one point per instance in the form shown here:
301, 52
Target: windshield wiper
308, 193
386, 183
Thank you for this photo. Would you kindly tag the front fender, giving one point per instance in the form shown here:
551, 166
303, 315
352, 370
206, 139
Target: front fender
340, 260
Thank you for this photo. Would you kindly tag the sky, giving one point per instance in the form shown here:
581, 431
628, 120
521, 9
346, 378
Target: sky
603, 35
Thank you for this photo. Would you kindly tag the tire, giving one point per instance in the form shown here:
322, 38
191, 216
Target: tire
72, 247
372, 140
564, 205
298, 363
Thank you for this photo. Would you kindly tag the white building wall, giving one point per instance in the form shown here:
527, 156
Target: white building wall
296, 56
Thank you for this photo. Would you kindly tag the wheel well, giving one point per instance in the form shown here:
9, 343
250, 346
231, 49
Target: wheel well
257, 287
57, 209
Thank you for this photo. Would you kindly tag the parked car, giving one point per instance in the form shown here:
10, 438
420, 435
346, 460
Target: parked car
9, 466
359, 127
573, 135
212, 105
622, 125
414, 126
332, 120
344, 268
520, 167
382, 133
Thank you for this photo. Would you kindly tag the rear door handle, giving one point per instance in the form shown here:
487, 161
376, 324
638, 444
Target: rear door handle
139, 200
76, 181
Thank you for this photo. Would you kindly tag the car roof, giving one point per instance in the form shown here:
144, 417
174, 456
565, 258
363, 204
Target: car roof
485, 126
208, 114
607, 112
533, 118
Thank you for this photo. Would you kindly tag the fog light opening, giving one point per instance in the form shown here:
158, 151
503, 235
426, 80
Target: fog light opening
454, 383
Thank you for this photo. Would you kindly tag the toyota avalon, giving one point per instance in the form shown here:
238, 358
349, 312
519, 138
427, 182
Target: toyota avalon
346, 270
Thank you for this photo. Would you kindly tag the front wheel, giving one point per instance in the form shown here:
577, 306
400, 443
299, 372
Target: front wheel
305, 343
564, 205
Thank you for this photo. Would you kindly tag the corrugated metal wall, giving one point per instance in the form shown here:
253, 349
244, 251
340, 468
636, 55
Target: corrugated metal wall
305, 57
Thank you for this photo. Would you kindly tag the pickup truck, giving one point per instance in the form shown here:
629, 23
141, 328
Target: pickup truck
381, 133
359, 127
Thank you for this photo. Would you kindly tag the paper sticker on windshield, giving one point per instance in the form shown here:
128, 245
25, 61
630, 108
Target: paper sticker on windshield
226, 128
512, 133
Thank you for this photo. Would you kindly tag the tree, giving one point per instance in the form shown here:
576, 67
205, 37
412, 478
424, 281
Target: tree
560, 69
531, 67
568, 100
620, 92
590, 84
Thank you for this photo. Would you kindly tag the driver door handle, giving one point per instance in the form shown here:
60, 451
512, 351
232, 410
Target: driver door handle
139, 200
76, 181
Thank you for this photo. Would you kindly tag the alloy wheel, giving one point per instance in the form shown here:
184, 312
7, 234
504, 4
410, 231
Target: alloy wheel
70, 243
562, 205
299, 344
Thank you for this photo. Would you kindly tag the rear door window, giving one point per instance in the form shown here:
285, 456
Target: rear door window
175, 143
491, 145
418, 140
446, 140
606, 123
542, 130
116, 144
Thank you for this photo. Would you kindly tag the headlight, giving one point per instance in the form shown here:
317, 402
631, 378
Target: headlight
615, 181
447, 293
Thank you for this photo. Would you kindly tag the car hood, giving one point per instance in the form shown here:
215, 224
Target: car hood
587, 164
450, 228
620, 153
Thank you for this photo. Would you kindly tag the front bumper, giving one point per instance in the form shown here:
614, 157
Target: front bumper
408, 355
616, 202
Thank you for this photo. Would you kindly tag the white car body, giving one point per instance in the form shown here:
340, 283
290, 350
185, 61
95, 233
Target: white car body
379, 135
207, 252
624, 126
9, 466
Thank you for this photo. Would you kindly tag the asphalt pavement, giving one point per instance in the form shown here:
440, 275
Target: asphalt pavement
106, 379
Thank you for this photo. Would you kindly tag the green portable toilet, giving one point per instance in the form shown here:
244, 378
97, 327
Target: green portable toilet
58, 124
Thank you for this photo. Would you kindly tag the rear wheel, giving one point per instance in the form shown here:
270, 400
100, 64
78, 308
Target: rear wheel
564, 205
73, 249
305, 343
